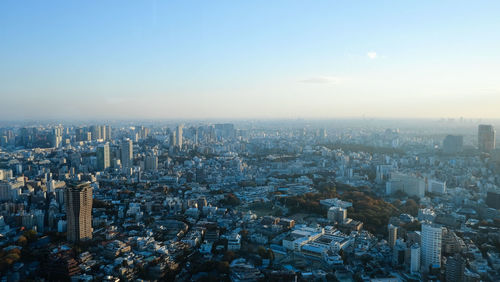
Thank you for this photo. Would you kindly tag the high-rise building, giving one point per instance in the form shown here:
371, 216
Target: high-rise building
79, 212
399, 252
415, 258
178, 133
173, 139
127, 153
431, 246
486, 137
103, 161
151, 162
108, 133
102, 132
453, 144
393, 235
57, 134
95, 130
455, 269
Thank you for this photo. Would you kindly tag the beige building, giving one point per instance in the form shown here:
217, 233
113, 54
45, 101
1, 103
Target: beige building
79, 212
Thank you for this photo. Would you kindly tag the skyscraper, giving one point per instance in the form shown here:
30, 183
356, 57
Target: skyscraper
393, 235
102, 132
127, 153
103, 157
431, 245
486, 137
173, 139
108, 133
178, 134
95, 131
57, 134
79, 212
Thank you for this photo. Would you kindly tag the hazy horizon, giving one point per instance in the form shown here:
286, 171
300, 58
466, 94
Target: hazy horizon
124, 60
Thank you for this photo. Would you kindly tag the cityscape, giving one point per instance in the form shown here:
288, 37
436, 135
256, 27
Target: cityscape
251, 201
241, 141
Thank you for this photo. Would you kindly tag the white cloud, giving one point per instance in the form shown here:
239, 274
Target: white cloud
323, 80
372, 55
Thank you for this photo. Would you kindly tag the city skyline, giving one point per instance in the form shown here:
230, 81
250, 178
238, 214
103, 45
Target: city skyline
285, 59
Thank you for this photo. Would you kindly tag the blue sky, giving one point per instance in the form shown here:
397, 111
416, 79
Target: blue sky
249, 59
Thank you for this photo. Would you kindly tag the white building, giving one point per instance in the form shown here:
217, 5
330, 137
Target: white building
431, 246
437, 187
411, 185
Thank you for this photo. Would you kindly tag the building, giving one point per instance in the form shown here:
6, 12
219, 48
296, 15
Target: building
455, 269
383, 173
411, 185
436, 187
151, 162
337, 214
453, 144
493, 199
79, 212
486, 137
415, 258
399, 253
393, 235
108, 133
178, 135
103, 161
57, 137
431, 246
127, 153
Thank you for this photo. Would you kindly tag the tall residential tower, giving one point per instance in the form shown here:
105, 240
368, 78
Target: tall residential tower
432, 235
79, 212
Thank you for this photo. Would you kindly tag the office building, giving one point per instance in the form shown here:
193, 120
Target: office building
95, 131
431, 246
103, 161
108, 133
102, 132
486, 137
78, 200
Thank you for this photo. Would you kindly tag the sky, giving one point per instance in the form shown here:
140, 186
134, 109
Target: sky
249, 59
